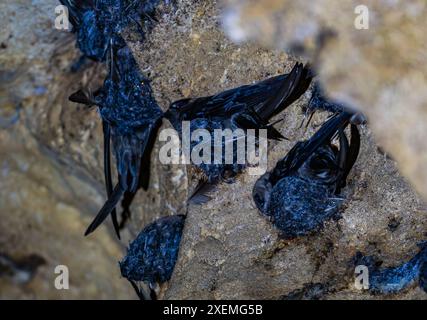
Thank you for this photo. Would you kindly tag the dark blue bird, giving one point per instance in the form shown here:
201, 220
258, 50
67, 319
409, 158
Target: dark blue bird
303, 190
394, 279
131, 118
245, 107
151, 257
130, 115
98, 24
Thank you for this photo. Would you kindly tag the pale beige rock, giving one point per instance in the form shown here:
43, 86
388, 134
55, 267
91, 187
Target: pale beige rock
45, 208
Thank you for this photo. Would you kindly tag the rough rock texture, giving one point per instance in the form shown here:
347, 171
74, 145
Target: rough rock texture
380, 70
44, 209
52, 180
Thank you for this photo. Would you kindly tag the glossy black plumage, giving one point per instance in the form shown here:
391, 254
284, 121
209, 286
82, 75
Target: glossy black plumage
396, 278
303, 189
245, 107
151, 257
131, 118
98, 24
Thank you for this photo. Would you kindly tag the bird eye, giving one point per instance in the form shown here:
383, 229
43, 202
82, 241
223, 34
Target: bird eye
319, 164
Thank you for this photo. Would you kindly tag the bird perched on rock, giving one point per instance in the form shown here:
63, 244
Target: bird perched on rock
131, 118
130, 115
394, 279
245, 107
151, 257
98, 24
303, 189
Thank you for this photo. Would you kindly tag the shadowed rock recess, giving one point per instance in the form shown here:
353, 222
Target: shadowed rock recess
52, 167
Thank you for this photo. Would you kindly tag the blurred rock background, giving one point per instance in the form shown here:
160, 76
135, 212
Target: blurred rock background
380, 70
51, 150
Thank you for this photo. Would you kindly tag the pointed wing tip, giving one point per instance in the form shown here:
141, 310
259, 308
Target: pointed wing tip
117, 233
106, 209
92, 227
88, 231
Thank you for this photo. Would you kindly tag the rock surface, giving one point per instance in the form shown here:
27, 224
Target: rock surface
45, 207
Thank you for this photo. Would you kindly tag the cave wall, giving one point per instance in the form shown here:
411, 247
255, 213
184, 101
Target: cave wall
51, 155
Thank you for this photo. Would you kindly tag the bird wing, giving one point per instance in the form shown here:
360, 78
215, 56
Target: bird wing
266, 96
108, 207
303, 149
107, 173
